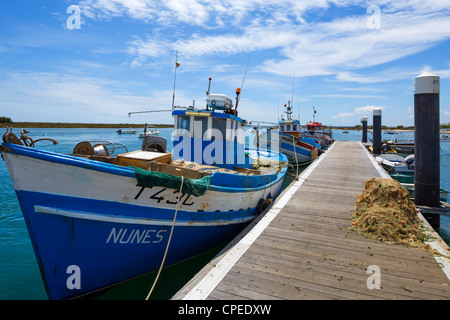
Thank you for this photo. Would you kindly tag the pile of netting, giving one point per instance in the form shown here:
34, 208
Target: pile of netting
385, 212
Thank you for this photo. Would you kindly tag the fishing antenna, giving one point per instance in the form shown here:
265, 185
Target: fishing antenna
175, 79
293, 81
238, 90
242, 85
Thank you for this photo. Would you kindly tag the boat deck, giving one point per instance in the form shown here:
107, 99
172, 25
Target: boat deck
302, 248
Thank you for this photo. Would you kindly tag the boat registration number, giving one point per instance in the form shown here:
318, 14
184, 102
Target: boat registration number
162, 196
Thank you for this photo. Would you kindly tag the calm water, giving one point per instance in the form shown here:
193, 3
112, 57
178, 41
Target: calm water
19, 273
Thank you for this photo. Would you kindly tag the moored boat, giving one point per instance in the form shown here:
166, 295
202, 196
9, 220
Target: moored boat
315, 130
96, 218
290, 141
407, 181
126, 131
152, 131
396, 163
444, 135
443, 193
402, 141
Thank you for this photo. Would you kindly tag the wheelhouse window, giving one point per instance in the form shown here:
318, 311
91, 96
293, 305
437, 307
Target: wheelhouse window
183, 126
221, 125
200, 126
184, 123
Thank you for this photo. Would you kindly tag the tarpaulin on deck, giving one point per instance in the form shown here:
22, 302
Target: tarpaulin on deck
195, 187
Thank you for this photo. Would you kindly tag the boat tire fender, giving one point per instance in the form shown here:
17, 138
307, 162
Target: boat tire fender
260, 206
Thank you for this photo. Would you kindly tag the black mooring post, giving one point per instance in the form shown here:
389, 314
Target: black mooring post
376, 140
364, 129
426, 144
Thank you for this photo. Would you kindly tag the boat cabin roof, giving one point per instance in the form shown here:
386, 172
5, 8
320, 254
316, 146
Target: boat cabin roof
289, 122
314, 126
208, 113
197, 124
309, 124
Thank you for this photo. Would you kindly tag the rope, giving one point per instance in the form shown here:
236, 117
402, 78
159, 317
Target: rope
168, 242
295, 153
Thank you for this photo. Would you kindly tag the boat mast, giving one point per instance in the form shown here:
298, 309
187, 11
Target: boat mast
288, 110
292, 97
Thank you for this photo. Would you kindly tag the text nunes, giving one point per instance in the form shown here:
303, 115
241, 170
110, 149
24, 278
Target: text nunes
126, 236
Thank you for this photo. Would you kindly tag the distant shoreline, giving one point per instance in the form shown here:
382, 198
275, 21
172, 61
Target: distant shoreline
19, 125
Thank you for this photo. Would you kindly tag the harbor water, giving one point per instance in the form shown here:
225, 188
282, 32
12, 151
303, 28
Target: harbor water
20, 278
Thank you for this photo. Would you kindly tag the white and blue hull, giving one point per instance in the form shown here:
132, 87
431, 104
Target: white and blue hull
91, 226
296, 149
324, 138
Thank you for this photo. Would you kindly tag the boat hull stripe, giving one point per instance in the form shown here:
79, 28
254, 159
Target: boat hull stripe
129, 220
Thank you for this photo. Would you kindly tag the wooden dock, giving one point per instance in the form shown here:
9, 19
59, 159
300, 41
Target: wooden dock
302, 248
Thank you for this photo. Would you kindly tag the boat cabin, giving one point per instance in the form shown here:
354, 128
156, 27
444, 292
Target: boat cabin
210, 137
314, 126
291, 127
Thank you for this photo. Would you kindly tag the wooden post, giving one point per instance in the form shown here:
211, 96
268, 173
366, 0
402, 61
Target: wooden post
364, 129
426, 143
376, 140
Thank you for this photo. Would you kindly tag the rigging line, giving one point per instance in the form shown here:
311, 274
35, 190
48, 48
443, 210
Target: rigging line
134, 112
292, 98
245, 73
238, 98
168, 242
295, 154
174, 79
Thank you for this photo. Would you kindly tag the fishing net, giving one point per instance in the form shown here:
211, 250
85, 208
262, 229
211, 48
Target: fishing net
195, 187
385, 212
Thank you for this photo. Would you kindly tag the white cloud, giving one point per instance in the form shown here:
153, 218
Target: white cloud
341, 45
344, 115
327, 46
207, 13
365, 110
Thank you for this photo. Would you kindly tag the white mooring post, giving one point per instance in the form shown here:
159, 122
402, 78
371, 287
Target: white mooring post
364, 129
426, 143
376, 139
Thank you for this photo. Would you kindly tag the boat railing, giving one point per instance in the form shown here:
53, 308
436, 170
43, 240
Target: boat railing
444, 134
25, 140
402, 137
407, 137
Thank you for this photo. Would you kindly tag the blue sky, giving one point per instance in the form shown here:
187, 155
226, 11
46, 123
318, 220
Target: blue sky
342, 57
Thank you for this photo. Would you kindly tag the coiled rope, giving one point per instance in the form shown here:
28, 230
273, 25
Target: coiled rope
168, 242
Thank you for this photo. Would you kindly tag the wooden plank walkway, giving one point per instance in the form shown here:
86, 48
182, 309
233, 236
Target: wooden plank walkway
302, 248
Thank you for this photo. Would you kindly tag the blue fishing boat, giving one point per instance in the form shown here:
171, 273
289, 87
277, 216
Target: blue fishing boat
96, 218
316, 131
289, 140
